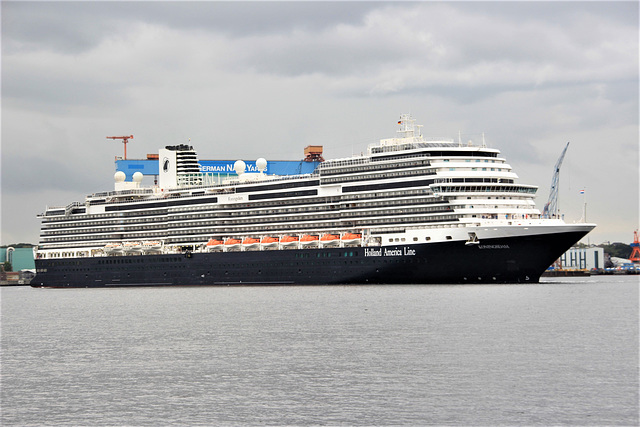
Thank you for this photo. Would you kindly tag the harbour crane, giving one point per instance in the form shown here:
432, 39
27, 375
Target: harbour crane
635, 253
551, 208
124, 139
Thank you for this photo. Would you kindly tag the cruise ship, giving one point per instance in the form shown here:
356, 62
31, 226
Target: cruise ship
412, 210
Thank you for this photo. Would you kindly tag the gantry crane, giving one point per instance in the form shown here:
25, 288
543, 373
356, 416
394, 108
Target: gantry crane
551, 208
124, 139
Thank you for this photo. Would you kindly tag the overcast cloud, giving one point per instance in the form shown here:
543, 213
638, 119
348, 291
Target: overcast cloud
265, 79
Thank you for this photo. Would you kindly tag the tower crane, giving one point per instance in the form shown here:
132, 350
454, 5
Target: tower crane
124, 139
635, 253
551, 208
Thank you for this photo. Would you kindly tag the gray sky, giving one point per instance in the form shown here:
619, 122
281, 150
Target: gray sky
262, 79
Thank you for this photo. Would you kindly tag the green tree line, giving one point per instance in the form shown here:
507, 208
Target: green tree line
619, 250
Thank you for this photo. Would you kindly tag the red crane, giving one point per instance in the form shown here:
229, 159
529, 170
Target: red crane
635, 253
124, 139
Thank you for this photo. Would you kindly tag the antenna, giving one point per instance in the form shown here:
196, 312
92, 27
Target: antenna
124, 139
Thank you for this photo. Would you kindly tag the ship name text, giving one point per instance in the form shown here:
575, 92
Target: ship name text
405, 251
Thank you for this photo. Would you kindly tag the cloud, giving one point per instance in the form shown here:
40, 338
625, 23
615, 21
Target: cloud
75, 27
391, 49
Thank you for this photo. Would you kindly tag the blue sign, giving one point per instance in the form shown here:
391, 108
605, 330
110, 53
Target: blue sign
276, 167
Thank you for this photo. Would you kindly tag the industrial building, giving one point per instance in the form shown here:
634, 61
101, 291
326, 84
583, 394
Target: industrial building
583, 259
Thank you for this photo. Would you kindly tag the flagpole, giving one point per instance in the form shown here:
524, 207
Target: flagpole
584, 210
584, 199
584, 206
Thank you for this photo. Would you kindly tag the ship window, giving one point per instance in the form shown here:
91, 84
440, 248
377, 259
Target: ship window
415, 239
427, 238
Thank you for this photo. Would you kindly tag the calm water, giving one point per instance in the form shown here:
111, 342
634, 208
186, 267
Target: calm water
561, 352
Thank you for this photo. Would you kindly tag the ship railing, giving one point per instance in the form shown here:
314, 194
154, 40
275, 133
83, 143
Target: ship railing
137, 191
230, 183
59, 210
71, 206
356, 161
400, 146
54, 208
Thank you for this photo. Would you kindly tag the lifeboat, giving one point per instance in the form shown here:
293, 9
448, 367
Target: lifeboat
289, 241
269, 242
328, 240
251, 243
132, 247
232, 244
215, 245
352, 238
309, 240
113, 248
151, 246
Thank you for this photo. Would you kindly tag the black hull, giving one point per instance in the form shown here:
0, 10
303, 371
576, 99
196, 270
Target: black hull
504, 260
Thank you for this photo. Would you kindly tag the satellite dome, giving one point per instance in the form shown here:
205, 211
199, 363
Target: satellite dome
239, 166
261, 164
119, 176
137, 177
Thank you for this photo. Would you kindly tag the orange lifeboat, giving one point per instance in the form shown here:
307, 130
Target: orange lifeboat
113, 248
352, 238
231, 244
309, 240
269, 242
250, 243
151, 246
132, 246
330, 240
289, 241
215, 244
